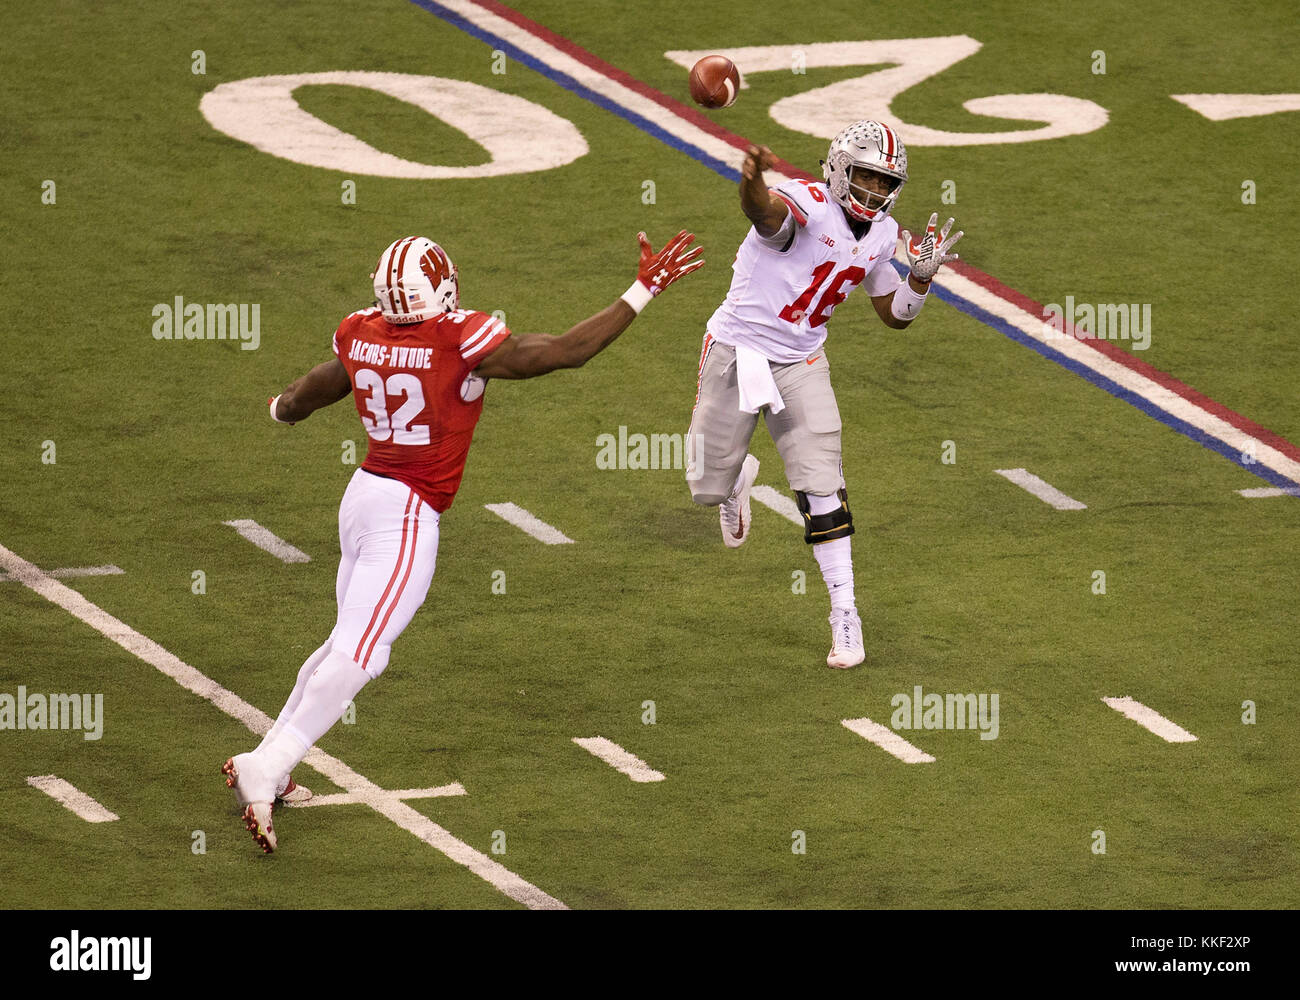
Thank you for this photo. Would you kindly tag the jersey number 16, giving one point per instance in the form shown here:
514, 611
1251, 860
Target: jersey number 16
798, 309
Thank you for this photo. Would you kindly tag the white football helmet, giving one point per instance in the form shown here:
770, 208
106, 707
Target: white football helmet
865, 146
415, 280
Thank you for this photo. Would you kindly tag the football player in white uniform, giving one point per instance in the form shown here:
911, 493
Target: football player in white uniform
811, 244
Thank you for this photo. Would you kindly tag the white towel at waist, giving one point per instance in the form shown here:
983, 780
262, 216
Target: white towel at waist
754, 377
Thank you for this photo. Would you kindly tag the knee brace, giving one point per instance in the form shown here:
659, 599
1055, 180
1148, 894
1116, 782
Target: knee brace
825, 527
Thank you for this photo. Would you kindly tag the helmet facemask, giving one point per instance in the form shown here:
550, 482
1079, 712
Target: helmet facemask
866, 203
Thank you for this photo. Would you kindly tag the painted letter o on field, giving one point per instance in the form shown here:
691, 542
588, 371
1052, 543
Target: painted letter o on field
519, 136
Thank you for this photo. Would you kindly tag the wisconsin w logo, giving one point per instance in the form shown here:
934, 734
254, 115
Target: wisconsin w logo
435, 265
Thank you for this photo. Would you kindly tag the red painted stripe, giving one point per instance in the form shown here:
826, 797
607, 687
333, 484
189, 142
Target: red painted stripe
889, 138
391, 580
410, 564
1128, 360
569, 48
979, 277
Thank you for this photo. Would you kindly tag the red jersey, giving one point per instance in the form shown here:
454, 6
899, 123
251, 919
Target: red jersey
415, 394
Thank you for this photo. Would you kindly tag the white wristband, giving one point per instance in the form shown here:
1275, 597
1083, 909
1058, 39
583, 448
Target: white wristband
273, 416
907, 303
637, 296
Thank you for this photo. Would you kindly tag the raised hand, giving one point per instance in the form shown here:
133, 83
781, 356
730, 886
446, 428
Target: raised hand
928, 254
757, 159
659, 269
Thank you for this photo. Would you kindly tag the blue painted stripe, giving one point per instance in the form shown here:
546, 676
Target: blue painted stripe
1140, 402
570, 84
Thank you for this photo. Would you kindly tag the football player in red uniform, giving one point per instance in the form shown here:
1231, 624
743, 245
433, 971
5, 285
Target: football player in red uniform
416, 365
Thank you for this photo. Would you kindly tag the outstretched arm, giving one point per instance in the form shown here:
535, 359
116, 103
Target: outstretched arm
325, 384
533, 354
926, 256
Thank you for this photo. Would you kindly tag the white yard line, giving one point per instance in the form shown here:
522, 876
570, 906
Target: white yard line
268, 542
73, 797
1150, 719
1225, 107
1045, 491
259, 722
887, 740
68, 572
348, 799
1271, 491
778, 502
529, 524
618, 758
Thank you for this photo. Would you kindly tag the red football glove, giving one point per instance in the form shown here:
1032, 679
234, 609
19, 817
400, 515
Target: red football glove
661, 269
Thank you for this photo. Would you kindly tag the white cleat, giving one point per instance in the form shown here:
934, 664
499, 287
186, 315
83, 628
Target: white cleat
257, 821
846, 640
256, 813
734, 511
291, 793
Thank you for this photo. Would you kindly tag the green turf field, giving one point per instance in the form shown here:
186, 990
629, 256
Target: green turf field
965, 582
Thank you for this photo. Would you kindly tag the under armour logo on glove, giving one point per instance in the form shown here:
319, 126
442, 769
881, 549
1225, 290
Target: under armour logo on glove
928, 254
660, 269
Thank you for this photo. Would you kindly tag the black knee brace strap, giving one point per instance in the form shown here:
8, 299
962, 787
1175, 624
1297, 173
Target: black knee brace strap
825, 527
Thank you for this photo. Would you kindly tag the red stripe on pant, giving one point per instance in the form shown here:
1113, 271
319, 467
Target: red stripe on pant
704, 356
401, 552
410, 565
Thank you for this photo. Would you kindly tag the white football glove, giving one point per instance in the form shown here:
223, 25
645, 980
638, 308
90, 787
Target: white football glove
927, 254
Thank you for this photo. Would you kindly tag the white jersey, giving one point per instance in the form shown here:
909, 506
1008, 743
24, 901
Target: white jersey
781, 298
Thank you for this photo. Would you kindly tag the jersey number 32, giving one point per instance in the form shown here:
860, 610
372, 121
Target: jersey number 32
398, 425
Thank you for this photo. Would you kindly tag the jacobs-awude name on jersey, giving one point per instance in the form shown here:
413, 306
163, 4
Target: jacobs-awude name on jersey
390, 356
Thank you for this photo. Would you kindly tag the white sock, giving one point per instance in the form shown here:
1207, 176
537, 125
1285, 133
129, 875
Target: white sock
325, 698
835, 558
295, 696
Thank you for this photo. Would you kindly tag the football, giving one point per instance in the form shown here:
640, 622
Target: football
715, 82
